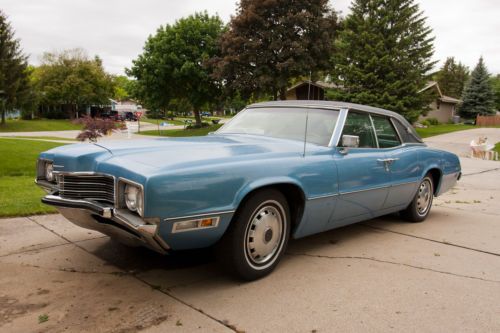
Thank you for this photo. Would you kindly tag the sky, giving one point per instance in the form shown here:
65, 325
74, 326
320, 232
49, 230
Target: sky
117, 29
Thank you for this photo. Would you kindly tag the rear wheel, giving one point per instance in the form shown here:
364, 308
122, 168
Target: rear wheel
258, 235
419, 208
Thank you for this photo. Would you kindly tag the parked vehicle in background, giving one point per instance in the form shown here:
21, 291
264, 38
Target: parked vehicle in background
130, 116
276, 170
114, 115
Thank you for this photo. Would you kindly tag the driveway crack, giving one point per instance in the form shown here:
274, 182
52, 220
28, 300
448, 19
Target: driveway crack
432, 240
222, 322
391, 263
480, 172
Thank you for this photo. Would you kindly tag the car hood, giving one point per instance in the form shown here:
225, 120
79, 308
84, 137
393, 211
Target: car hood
173, 153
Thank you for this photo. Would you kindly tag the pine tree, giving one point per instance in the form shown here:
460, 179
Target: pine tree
384, 55
478, 97
269, 42
14, 78
452, 78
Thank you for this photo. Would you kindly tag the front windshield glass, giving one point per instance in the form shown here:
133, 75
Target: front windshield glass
285, 123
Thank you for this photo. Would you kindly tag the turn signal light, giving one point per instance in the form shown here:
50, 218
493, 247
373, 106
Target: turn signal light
205, 223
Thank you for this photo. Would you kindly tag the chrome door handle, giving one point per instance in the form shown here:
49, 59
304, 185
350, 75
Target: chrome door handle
387, 160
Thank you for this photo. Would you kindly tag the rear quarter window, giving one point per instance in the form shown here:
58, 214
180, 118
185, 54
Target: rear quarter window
407, 134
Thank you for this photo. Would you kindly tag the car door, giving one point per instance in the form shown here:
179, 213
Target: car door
362, 172
402, 161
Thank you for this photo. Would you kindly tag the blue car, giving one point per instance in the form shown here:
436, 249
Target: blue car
276, 170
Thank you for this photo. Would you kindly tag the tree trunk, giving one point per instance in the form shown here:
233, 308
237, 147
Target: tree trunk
3, 113
197, 117
282, 93
275, 94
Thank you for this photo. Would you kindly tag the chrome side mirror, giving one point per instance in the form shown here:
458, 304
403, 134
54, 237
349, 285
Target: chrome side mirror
350, 141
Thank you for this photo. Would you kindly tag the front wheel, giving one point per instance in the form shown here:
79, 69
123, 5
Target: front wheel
258, 235
420, 206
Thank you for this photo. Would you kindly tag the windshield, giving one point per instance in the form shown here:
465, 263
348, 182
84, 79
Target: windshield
285, 123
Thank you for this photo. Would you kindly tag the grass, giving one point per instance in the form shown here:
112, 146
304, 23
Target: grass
154, 121
497, 148
182, 132
442, 129
45, 138
19, 125
19, 196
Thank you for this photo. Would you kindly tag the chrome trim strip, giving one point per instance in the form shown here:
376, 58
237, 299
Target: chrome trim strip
199, 215
377, 188
323, 196
374, 130
364, 190
175, 231
339, 127
404, 183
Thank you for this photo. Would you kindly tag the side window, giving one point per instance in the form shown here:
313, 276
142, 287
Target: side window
406, 133
359, 124
386, 134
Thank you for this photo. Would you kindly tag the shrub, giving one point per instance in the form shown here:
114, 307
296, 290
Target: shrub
193, 126
94, 128
433, 121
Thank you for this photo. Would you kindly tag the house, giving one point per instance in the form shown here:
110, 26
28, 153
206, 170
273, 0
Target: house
307, 90
443, 108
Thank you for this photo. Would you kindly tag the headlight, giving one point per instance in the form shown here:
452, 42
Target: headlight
49, 172
133, 198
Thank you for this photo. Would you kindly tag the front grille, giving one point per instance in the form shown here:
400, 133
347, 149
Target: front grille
88, 187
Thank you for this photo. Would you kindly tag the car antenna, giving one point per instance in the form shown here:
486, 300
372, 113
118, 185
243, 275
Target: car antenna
307, 114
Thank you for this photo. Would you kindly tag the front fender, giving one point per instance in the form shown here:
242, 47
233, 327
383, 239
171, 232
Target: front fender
263, 182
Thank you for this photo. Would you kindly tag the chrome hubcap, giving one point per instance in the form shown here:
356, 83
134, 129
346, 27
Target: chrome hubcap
264, 233
424, 197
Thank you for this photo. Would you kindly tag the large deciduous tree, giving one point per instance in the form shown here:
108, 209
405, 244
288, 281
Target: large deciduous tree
452, 77
69, 81
384, 55
174, 64
269, 42
14, 74
478, 97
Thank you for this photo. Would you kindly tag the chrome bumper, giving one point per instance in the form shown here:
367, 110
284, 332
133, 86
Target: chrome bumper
116, 223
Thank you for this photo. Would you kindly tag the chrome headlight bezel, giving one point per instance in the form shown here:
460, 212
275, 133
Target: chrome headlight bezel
45, 170
131, 196
49, 172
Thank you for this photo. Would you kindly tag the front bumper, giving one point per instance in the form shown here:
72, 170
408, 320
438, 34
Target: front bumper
116, 223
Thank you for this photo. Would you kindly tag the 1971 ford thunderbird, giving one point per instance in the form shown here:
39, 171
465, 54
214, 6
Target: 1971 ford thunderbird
276, 170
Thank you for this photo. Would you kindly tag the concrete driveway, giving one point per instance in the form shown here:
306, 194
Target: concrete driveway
384, 275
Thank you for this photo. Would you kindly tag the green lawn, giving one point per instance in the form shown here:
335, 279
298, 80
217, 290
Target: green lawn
442, 129
19, 196
19, 125
45, 138
155, 121
497, 148
182, 132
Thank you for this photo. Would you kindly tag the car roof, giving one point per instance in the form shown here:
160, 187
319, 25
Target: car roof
328, 105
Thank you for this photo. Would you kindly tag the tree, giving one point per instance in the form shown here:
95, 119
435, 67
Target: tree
452, 78
174, 64
478, 97
384, 55
495, 83
123, 87
14, 75
269, 42
69, 81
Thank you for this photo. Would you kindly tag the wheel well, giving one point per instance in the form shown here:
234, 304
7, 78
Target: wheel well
436, 178
293, 195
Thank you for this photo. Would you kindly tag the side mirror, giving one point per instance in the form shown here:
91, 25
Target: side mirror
350, 141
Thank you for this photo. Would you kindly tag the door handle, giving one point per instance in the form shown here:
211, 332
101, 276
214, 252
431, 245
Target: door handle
387, 162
